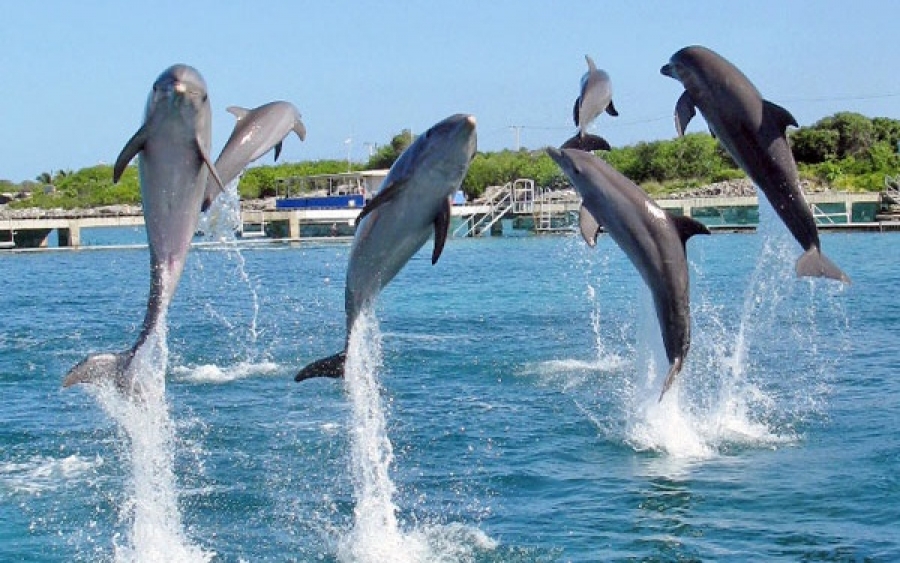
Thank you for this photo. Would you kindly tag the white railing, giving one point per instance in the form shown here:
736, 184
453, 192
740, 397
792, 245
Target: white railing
824, 217
499, 205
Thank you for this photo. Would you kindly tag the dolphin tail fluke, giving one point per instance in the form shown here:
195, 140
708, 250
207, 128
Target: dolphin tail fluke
674, 370
587, 143
814, 263
99, 367
332, 366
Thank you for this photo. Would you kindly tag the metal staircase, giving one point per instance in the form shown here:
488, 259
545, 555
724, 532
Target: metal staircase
499, 205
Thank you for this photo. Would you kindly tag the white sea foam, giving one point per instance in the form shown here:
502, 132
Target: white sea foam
40, 473
210, 373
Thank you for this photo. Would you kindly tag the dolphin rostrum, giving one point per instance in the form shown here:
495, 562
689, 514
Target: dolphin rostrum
413, 202
595, 98
752, 130
172, 147
653, 239
255, 132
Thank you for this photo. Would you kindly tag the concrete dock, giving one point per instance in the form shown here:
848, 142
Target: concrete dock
519, 202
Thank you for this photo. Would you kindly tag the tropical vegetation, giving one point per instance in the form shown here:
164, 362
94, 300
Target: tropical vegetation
846, 151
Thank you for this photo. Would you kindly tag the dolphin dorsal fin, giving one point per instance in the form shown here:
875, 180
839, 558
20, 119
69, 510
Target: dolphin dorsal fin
590, 62
441, 228
134, 145
238, 112
589, 226
779, 115
688, 227
684, 110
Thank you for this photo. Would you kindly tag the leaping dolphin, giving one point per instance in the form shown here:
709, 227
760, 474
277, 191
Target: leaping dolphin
172, 147
255, 132
414, 200
653, 239
752, 130
595, 98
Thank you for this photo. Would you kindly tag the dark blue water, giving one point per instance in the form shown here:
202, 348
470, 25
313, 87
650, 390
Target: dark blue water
517, 380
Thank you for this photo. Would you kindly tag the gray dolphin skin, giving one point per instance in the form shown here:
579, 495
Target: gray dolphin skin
595, 98
172, 147
653, 239
413, 202
752, 130
256, 132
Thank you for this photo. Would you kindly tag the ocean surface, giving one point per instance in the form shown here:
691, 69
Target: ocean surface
500, 406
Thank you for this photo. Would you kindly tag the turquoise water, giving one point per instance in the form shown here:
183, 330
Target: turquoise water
510, 391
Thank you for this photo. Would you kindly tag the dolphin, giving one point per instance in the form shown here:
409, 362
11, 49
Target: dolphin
653, 239
595, 98
413, 202
255, 132
172, 147
752, 130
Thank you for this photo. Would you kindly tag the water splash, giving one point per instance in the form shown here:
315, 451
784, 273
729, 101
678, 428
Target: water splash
733, 392
156, 532
219, 224
376, 534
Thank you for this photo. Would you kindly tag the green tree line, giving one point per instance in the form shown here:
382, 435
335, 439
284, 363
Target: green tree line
846, 151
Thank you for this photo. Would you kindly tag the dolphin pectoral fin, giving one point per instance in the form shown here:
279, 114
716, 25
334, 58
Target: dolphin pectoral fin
277, 150
575, 110
674, 370
611, 109
441, 228
98, 368
212, 169
589, 226
238, 112
815, 264
134, 145
684, 111
386, 194
688, 227
779, 115
332, 366
300, 130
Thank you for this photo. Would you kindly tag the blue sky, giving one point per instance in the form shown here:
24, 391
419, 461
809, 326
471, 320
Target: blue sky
75, 75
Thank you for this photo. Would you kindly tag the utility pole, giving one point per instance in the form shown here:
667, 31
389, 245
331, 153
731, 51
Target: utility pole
349, 143
518, 135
